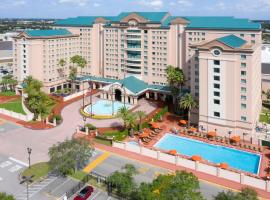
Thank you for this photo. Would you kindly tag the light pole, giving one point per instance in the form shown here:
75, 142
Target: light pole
27, 180
230, 132
84, 120
29, 151
244, 134
91, 90
83, 93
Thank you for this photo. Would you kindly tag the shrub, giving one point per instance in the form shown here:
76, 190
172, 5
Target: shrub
58, 91
58, 118
90, 126
160, 114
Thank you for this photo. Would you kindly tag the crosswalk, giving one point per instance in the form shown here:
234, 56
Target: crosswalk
35, 188
10, 166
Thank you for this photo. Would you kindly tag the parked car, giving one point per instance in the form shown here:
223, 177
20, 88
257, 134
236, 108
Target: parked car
85, 193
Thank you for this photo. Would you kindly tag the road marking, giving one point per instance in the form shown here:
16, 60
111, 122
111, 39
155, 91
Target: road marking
18, 161
96, 162
59, 186
15, 168
93, 197
5, 164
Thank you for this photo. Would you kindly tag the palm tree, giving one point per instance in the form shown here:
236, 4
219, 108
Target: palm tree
188, 103
123, 113
81, 63
72, 77
140, 114
131, 122
62, 63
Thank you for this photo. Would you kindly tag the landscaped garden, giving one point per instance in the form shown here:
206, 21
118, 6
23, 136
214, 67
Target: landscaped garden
39, 171
13, 105
7, 93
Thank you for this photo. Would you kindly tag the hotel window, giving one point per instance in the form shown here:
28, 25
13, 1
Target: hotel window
243, 105
243, 65
243, 89
217, 114
216, 62
217, 78
216, 70
243, 97
216, 94
242, 35
216, 101
243, 118
243, 57
217, 86
253, 35
244, 81
243, 73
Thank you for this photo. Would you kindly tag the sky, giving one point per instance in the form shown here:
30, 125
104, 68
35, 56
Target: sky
253, 9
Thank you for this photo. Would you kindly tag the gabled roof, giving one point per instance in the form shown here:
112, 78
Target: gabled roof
232, 41
153, 17
133, 84
48, 33
81, 21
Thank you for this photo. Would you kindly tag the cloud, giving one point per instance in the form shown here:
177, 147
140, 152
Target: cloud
251, 6
156, 4
96, 4
185, 3
80, 3
14, 3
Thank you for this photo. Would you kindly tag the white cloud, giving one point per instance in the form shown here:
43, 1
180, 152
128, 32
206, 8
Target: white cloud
96, 4
251, 6
156, 4
185, 3
76, 2
14, 3
221, 5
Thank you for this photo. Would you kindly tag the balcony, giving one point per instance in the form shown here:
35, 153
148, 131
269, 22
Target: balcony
133, 37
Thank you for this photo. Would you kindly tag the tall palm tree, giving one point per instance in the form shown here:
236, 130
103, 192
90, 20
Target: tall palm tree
188, 103
82, 63
140, 114
123, 113
62, 63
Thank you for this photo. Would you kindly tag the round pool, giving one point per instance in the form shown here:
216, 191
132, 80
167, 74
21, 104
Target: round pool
105, 108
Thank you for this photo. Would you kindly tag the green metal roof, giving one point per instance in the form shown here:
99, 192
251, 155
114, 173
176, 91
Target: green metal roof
150, 16
48, 33
134, 84
232, 41
80, 21
221, 23
98, 79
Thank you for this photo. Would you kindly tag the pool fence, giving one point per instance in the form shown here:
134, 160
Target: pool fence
197, 166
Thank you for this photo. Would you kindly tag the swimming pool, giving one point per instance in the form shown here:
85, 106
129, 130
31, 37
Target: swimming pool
237, 159
104, 108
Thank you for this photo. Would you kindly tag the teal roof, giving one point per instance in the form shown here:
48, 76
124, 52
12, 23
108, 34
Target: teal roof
131, 83
153, 17
221, 23
48, 33
80, 21
232, 41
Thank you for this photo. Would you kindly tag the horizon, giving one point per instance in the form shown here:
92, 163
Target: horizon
59, 9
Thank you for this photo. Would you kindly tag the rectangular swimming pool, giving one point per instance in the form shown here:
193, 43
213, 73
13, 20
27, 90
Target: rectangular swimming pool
237, 159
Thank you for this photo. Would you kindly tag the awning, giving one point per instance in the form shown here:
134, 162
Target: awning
196, 158
223, 165
212, 134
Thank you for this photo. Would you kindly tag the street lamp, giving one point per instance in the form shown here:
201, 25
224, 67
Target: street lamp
27, 180
29, 151
84, 120
244, 134
91, 90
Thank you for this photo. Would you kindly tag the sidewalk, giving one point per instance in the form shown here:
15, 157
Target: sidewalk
206, 177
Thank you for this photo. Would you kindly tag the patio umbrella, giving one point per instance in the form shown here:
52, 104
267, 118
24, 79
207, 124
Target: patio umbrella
173, 152
184, 122
235, 138
144, 134
211, 134
155, 125
196, 158
193, 129
223, 165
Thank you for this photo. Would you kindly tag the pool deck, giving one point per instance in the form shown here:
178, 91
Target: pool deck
171, 121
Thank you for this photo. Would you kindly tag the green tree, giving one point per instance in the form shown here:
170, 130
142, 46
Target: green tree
82, 63
61, 63
68, 156
140, 114
8, 82
181, 186
175, 79
4, 196
72, 76
123, 182
123, 113
245, 194
188, 103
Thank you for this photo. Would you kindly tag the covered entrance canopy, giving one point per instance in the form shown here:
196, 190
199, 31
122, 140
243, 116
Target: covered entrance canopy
127, 90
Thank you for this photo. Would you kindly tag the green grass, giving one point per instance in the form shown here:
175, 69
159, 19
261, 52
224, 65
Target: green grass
15, 106
102, 141
264, 118
39, 170
7, 93
79, 175
117, 135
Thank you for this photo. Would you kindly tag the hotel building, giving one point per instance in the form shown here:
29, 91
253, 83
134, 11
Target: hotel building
220, 57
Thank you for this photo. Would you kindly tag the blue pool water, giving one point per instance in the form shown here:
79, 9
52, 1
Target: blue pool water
237, 159
104, 107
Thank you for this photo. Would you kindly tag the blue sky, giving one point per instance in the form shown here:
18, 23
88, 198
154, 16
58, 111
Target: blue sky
253, 9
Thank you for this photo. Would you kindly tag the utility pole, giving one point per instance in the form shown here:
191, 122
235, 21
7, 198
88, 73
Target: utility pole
27, 180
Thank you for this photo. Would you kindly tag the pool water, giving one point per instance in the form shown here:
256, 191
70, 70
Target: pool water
104, 107
237, 159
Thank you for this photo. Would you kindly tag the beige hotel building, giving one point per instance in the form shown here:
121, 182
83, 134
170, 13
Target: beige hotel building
220, 57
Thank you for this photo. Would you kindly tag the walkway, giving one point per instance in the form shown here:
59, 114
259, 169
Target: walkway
96, 162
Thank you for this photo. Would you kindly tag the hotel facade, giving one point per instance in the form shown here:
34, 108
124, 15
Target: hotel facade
220, 57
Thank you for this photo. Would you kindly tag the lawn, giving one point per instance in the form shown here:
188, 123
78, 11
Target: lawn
39, 170
7, 93
264, 118
79, 175
14, 105
102, 141
117, 135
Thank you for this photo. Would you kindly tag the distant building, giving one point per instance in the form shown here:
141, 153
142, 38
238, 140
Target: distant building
220, 56
266, 67
8, 36
6, 56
